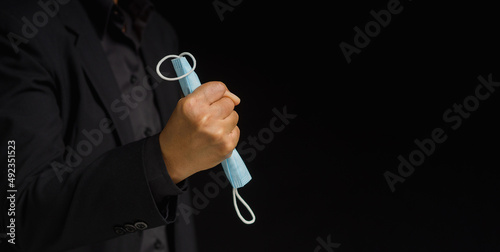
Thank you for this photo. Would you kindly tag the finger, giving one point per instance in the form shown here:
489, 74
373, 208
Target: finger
233, 97
222, 108
230, 122
210, 92
233, 138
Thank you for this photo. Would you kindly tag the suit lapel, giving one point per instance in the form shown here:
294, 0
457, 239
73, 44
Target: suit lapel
96, 66
153, 48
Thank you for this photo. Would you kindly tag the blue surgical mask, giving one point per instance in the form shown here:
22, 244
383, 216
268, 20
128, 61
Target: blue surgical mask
234, 167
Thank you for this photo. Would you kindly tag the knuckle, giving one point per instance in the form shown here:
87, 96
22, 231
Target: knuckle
186, 104
216, 87
219, 85
227, 147
199, 121
190, 108
236, 115
218, 135
237, 133
222, 141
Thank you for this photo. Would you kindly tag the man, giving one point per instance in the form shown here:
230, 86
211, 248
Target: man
102, 146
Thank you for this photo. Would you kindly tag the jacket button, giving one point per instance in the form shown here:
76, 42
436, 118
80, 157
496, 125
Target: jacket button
140, 225
119, 230
133, 79
148, 132
129, 228
158, 244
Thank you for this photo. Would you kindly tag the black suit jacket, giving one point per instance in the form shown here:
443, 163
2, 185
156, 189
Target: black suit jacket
80, 179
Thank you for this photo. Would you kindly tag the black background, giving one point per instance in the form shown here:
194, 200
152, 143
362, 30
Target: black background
322, 176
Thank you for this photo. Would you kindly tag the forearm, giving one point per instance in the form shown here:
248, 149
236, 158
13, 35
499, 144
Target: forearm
91, 201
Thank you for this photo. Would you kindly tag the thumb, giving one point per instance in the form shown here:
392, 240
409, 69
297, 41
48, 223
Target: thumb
213, 91
233, 97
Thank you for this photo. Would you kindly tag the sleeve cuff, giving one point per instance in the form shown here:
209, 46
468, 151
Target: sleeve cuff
162, 188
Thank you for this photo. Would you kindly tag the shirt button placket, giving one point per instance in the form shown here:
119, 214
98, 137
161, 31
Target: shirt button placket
148, 132
158, 245
133, 79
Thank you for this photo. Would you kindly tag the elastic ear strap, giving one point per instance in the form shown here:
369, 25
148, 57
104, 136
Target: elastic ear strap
236, 194
175, 56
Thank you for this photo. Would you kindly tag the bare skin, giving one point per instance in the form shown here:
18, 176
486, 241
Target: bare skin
201, 131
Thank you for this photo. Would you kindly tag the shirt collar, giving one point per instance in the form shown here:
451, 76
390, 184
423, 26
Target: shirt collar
99, 11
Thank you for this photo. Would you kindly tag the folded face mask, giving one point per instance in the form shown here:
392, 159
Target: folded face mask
234, 167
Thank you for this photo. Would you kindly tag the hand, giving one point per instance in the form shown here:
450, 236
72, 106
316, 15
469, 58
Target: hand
201, 132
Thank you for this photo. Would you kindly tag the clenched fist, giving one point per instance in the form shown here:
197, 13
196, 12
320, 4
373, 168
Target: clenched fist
201, 132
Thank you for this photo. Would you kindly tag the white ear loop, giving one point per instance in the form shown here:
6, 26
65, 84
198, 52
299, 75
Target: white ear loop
175, 56
236, 194
235, 191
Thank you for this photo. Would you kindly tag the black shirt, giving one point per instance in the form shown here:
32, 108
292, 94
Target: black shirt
121, 44
120, 28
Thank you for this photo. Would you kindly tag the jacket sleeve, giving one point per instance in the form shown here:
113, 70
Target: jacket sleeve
58, 207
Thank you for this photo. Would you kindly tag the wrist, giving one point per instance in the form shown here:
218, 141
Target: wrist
175, 173
174, 170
